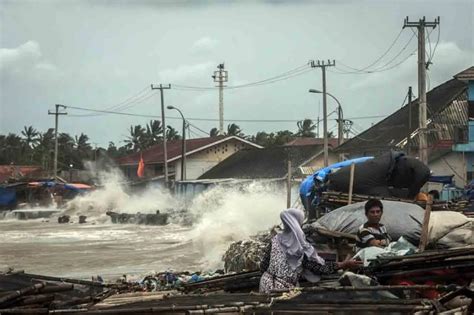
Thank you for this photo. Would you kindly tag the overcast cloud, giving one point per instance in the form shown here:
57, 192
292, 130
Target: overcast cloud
97, 54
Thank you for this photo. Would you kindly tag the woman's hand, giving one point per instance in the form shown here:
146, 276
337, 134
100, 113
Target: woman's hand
349, 264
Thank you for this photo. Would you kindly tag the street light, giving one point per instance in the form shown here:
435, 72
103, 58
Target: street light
340, 115
183, 144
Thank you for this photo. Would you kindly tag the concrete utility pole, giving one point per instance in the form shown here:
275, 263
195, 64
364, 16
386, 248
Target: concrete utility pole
56, 114
421, 25
323, 65
163, 126
220, 76
409, 121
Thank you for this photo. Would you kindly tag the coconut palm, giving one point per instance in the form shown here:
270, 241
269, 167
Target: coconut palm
154, 133
234, 130
214, 132
136, 140
172, 134
306, 128
30, 136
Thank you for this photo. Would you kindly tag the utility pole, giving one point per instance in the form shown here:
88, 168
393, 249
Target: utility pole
56, 114
163, 126
220, 76
422, 117
409, 121
323, 65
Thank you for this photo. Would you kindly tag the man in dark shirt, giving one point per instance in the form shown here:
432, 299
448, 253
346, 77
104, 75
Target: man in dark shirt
373, 233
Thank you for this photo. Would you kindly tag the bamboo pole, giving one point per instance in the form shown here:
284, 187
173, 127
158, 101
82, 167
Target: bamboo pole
288, 186
15, 294
425, 226
351, 183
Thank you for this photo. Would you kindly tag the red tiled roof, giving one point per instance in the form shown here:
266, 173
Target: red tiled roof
19, 171
312, 141
154, 154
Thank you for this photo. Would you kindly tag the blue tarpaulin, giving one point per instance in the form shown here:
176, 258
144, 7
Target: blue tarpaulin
7, 197
320, 175
448, 179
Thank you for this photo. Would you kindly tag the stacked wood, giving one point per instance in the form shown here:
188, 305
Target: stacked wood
334, 199
442, 266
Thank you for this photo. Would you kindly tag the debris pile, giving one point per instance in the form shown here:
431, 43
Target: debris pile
246, 255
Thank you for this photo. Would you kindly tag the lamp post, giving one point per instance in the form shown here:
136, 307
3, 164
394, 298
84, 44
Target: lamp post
183, 144
340, 116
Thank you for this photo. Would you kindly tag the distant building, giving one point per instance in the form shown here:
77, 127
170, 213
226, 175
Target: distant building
17, 172
201, 155
271, 163
449, 119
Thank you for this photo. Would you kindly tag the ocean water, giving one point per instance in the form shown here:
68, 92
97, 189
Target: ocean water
220, 216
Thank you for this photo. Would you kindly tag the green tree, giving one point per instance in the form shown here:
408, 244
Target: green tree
137, 139
30, 136
283, 136
154, 133
172, 134
306, 128
234, 130
214, 132
44, 149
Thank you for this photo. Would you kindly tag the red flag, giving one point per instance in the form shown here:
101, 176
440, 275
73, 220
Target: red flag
141, 167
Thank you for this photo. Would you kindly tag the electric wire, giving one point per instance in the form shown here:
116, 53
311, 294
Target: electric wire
211, 119
379, 58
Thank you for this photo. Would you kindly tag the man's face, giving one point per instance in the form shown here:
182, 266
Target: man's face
374, 215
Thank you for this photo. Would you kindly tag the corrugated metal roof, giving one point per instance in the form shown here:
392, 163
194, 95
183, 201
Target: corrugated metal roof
262, 163
154, 154
447, 114
466, 75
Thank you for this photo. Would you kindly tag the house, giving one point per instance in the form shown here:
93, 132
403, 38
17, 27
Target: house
201, 155
271, 163
467, 149
17, 172
447, 113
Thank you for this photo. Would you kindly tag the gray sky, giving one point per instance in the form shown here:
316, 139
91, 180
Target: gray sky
97, 54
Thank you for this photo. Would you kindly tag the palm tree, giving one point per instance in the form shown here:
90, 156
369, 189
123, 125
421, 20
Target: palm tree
30, 136
283, 136
154, 133
45, 147
83, 148
214, 132
306, 128
234, 130
135, 141
172, 134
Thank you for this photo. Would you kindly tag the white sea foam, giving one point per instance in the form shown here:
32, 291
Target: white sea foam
227, 214
112, 196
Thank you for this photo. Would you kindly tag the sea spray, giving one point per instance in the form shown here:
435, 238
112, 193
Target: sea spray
112, 195
225, 214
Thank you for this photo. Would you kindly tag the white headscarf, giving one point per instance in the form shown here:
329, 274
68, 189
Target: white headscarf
293, 240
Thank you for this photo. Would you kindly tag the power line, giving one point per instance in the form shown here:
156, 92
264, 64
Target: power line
384, 67
283, 76
124, 106
209, 119
378, 59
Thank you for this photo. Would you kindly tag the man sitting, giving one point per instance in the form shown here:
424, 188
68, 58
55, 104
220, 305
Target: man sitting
373, 233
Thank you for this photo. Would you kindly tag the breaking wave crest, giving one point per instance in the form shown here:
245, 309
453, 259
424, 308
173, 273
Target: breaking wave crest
112, 195
227, 214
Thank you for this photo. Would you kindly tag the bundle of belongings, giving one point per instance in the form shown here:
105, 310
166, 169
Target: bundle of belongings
392, 174
447, 229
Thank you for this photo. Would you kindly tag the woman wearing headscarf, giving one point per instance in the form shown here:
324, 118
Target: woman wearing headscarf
289, 256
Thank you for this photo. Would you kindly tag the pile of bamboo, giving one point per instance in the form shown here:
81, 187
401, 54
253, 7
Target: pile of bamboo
24, 293
335, 199
444, 266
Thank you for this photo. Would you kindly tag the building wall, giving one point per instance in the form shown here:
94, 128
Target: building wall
200, 162
451, 164
318, 162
